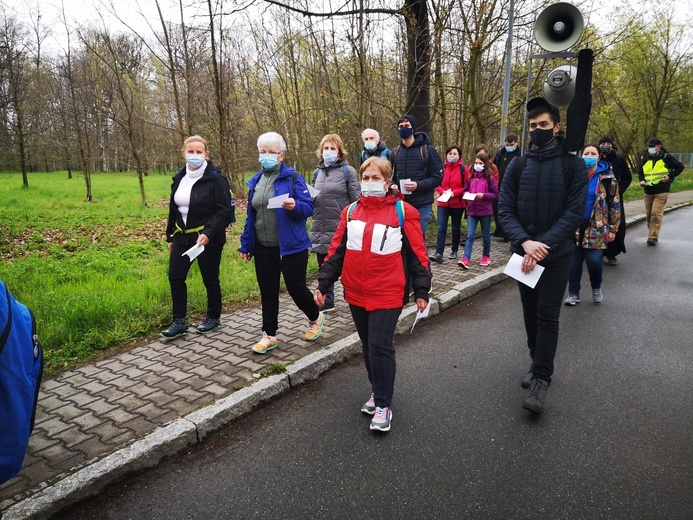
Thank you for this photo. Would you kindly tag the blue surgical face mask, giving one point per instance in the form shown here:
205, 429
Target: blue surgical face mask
405, 132
268, 161
329, 157
510, 149
373, 189
452, 159
590, 161
370, 145
194, 160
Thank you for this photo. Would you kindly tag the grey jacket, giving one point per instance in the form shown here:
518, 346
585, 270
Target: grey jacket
334, 196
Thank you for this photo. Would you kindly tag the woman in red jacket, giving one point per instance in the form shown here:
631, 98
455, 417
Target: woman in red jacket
450, 204
377, 247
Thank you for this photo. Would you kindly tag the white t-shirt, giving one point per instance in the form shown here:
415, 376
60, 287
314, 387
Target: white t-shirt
182, 196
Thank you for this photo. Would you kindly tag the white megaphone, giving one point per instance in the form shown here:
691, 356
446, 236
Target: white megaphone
558, 27
559, 86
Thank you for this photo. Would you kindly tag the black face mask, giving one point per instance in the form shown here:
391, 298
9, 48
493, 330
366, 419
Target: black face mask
605, 149
540, 137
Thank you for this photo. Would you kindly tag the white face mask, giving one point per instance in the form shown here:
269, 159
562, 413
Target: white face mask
478, 167
373, 189
652, 151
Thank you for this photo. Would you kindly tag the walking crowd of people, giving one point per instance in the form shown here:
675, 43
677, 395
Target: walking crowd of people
368, 229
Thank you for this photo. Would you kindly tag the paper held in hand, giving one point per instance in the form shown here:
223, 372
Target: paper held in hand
313, 191
514, 270
276, 202
469, 196
420, 314
402, 188
445, 196
194, 251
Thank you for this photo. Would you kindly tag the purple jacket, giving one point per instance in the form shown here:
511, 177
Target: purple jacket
478, 183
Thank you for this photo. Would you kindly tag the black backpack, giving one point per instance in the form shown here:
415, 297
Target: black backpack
232, 215
21, 370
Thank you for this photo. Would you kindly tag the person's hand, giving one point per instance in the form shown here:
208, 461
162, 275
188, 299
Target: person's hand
319, 298
421, 304
289, 204
611, 237
528, 264
666, 178
536, 250
411, 186
170, 246
643, 183
394, 189
202, 240
479, 195
245, 256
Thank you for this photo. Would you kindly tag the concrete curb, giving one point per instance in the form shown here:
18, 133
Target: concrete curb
178, 435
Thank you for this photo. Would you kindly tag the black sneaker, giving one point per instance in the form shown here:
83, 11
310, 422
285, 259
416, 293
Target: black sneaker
537, 396
651, 241
326, 308
177, 328
207, 325
437, 258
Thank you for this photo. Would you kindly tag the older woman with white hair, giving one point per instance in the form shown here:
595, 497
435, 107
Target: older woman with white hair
278, 239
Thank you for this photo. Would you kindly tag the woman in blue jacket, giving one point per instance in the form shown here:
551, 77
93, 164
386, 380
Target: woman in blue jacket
278, 239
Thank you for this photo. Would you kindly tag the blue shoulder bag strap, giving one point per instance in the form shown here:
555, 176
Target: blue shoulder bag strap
345, 172
8, 326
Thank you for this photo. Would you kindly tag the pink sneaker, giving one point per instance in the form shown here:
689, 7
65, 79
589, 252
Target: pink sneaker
464, 262
485, 260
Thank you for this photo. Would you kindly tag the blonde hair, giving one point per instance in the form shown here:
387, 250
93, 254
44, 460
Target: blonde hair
379, 162
341, 152
195, 138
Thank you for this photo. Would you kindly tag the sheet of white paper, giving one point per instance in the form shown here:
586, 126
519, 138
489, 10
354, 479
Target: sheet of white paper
420, 314
313, 191
469, 196
445, 196
276, 202
514, 269
194, 252
401, 186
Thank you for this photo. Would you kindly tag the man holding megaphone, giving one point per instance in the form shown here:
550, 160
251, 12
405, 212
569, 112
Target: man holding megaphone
541, 203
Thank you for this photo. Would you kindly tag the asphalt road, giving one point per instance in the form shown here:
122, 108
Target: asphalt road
615, 440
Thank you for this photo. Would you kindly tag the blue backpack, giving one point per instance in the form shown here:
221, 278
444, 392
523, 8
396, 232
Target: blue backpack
21, 369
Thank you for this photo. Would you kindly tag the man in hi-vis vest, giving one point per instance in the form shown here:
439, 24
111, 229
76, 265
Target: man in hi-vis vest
656, 175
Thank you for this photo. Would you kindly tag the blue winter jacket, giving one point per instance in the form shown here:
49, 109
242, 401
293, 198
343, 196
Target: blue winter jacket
293, 235
538, 207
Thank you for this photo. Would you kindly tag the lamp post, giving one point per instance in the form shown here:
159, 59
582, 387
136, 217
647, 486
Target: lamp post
508, 65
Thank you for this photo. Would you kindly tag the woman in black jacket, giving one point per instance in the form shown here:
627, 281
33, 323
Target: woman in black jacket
199, 212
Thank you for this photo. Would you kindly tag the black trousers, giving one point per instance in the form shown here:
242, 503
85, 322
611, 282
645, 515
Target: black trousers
178, 268
541, 308
376, 330
269, 265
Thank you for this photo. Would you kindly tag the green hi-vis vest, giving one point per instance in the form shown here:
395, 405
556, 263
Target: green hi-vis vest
655, 170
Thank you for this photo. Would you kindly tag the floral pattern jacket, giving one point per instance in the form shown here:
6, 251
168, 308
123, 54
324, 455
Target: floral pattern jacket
606, 213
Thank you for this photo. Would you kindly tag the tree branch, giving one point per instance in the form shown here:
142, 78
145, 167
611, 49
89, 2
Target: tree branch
338, 12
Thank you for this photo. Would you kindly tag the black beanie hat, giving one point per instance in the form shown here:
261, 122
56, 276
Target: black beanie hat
606, 139
411, 119
654, 142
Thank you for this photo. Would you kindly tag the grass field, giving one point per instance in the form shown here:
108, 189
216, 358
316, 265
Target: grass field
95, 273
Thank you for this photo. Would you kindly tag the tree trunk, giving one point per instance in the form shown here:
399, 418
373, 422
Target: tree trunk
418, 62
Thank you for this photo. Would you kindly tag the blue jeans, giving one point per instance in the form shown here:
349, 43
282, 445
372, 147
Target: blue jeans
425, 216
443, 215
593, 259
471, 233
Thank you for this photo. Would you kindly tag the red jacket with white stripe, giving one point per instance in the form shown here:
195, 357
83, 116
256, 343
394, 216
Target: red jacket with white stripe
374, 257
